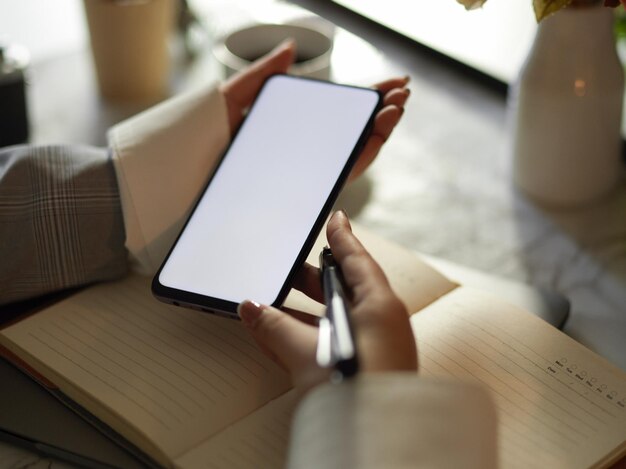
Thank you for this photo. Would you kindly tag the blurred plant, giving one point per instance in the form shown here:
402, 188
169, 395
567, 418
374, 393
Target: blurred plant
544, 8
620, 24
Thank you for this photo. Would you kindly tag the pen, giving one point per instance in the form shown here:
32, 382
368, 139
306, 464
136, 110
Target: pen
336, 346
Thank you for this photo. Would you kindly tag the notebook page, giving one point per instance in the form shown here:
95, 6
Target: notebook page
258, 440
173, 375
415, 282
559, 405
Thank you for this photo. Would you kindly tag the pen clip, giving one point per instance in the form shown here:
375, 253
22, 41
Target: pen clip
324, 354
336, 346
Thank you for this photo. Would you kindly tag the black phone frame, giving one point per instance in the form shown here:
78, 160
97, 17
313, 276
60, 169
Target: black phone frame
227, 308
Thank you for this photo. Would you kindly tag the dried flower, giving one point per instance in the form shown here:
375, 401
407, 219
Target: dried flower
471, 4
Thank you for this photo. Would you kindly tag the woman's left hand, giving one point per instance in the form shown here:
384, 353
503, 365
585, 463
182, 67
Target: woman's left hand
241, 89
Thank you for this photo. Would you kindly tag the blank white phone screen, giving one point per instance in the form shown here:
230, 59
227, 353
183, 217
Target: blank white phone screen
255, 215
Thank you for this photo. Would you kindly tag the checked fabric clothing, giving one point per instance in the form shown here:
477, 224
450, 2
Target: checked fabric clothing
61, 221
73, 215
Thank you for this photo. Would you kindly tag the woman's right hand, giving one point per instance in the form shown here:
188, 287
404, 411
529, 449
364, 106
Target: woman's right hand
383, 333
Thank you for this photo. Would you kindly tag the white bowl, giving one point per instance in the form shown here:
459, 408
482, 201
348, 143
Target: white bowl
241, 47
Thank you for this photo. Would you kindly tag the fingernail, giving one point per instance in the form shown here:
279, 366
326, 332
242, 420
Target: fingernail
287, 43
344, 215
408, 91
249, 312
407, 78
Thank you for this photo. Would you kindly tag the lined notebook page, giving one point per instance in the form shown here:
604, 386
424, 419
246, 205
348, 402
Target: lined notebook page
559, 405
257, 441
176, 376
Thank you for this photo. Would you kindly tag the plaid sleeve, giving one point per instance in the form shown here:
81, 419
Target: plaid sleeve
61, 222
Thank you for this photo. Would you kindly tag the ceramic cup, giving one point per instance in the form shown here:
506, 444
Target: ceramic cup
238, 49
129, 42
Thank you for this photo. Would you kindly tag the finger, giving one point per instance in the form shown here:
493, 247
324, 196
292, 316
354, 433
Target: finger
282, 337
245, 85
386, 120
384, 123
241, 89
307, 281
361, 273
388, 85
380, 318
397, 97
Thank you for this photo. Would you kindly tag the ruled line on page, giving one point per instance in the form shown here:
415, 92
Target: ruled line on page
515, 408
216, 344
228, 330
232, 343
70, 359
209, 338
538, 417
181, 376
529, 351
513, 387
561, 389
247, 450
148, 363
177, 346
553, 414
221, 366
528, 433
171, 351
117, 369
535, 378
182, 361
156, 355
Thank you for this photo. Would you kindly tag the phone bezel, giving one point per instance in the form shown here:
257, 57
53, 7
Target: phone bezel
228, 308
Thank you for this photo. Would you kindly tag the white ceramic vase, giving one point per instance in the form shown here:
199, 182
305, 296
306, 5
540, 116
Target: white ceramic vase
567, 105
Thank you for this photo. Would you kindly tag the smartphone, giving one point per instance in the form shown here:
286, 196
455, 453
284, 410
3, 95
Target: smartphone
265, 204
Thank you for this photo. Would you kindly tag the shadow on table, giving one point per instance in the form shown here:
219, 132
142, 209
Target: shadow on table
355, 196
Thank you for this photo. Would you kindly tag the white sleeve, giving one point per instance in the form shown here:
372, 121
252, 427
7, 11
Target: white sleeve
162, 159
394, 420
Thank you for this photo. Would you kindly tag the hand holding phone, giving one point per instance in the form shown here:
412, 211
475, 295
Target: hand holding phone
265, 204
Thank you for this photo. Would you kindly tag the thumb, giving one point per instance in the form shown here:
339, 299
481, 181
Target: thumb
241, 89
286, 340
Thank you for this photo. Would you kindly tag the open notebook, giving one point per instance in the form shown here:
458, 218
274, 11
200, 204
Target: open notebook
188, 389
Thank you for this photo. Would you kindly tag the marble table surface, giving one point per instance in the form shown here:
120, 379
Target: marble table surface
442, 185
